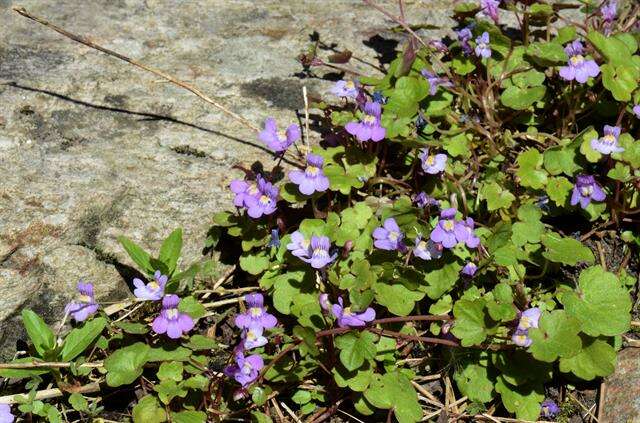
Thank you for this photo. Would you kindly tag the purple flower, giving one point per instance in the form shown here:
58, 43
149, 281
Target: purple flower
521, 338
243, 191
636, 110
469, 269
586, 189
549, 409
578, 68
299, 246
369, 127
312, 179
435, 81
319, 249
256, 313
84, 305
347, 318
427, 250
472, 240
464, 36
377, 97
490, 9
278, 141
432, 164
438, 46
609, 142
346, 89
264, 202
389, 236
325, 304
246, 369
252, 336
482, 46
170, 320
448, 231
423, 200
529, 319
5, 414
154, 290
275, 238
609, 11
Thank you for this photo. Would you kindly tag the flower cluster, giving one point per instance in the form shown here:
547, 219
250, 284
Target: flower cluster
578, 68
449, 231
314, 251
246, 368
312, 179
528, 319
259, 198
279, 141
170, 320
344, 316
369, 127
435, 81
84, 305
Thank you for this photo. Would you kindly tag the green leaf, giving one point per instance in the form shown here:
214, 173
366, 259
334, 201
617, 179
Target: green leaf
137, 254
357, 380
597, 358
527, 232
565, 250
169, 352
170, 250
462, 65
394, 390
148, 410
442, 280
168, 390
397, 298
621, 80
199, 342
601, 304
80, 338
620, 172
558, 189
547, 53
189, 416
556, 336
191, 306
524, 400
474, 381
457, 146
171, 370
470, 322
133, 328
613, 49
496, 196
78, 402
518, 367
124, 366
522, 98
529, 170
407, 93
562, 159
40, 334
355, 349
254, 263
259, 417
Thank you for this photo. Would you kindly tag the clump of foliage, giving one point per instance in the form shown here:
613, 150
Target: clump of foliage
446, 223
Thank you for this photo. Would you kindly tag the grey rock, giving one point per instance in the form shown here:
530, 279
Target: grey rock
622, 393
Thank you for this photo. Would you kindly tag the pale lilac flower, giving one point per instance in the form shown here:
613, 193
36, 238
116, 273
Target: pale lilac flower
312, 179
152, 291
435, 81
170, 320
5, 414
586, 189
483, 49
464, 36
636, 110
578, 67
609, 12
423, 200
347, 318
549, 409
434, 163
472, 239
320, 256
490, 8
389, 236
469, 269
264, 203
325, 304
243, 190
344, 88
521, 338
84, 305
256, 313
278, 141
299, 246
529, 319
369, 127
245, 369
448, 231
438, 46
426, 250
252, 336
609, 142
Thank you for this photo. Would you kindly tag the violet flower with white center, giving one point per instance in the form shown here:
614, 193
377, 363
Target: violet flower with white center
320, 256
549, 409
252, 336
636, 110
369, 127
469, 269
423, 200
578, 68
472, 240
256, 313
609, 142
448, 231
529, 319
490, 8
84, 305
483, 49
347, 89
435, 81
154, 290
521, 338
243, 191
278, 141
5, 414
426, 250
464, 36
299, 246
170, 320
264, 203
585, 190
389, 236
245, 369
312, 179
434, 163
347, 318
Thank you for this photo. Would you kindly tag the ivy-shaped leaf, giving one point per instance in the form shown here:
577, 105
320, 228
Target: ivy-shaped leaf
565, 250
470, 322
556, 336
529, 171
356, 348
597, 358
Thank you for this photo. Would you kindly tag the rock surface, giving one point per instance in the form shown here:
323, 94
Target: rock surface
622, 394
92, 148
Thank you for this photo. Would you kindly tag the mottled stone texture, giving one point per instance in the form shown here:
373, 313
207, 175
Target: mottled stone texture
622, 394
92, 148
